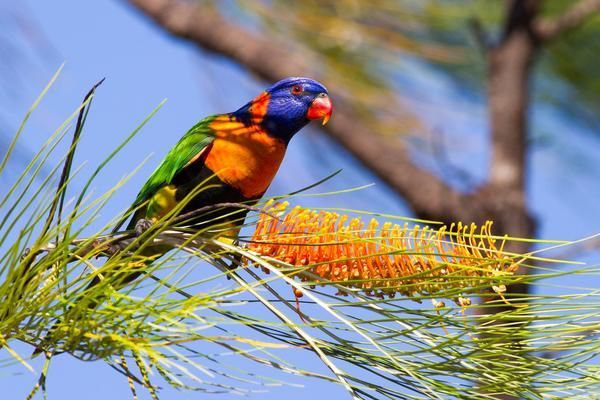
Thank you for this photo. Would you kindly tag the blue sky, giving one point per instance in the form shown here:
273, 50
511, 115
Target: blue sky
143, 66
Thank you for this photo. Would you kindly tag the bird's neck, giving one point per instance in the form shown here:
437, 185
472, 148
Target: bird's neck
280, 125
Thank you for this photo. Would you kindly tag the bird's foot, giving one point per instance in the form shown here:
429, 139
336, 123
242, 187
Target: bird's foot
142, 226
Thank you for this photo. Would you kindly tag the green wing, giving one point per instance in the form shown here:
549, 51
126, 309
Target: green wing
192, 143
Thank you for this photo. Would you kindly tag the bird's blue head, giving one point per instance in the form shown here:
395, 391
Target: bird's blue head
287, 106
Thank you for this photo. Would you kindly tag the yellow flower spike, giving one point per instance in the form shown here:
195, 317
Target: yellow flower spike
382, 259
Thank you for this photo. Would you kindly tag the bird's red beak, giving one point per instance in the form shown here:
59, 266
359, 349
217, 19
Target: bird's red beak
321, 107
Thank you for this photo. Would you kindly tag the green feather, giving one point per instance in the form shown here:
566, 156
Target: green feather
192, 143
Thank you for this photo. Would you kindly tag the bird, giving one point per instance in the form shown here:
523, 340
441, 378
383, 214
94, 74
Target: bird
224, 158
233, 156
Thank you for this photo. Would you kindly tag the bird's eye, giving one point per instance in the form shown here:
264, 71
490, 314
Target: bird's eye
297, 89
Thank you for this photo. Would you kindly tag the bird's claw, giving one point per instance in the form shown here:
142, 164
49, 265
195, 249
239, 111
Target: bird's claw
142, 226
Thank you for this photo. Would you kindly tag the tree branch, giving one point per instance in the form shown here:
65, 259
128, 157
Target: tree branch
272, 60
550, 28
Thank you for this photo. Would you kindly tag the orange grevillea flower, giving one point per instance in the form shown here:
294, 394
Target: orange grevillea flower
385, 259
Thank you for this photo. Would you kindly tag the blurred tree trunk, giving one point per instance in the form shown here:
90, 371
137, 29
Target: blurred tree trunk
510, 61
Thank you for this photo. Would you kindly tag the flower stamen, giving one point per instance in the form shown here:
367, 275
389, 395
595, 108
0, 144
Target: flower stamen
386, 259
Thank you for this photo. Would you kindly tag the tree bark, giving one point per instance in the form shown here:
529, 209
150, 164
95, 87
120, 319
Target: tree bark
509, 70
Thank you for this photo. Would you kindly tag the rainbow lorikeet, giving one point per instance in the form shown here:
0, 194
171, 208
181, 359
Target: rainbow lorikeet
234, 156
237, 154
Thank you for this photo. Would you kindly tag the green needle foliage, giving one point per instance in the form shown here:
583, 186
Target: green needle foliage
185, 324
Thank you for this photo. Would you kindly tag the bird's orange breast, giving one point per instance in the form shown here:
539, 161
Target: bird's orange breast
246, 158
